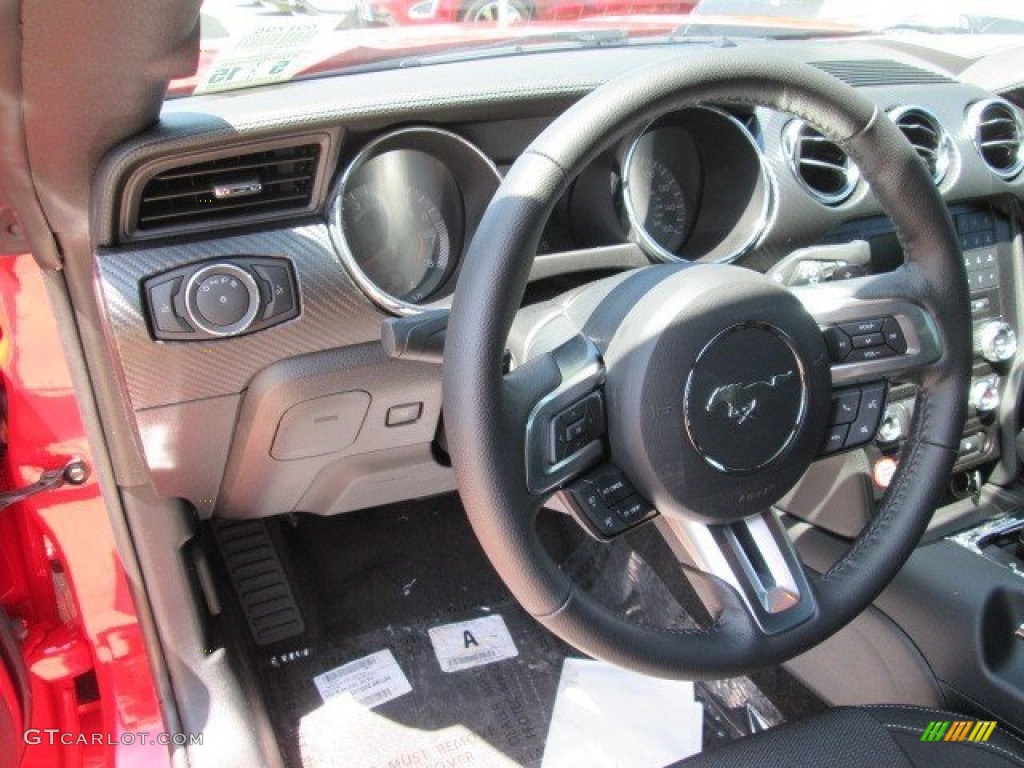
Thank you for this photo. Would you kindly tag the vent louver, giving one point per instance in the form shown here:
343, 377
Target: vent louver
820, 165
927, 137
996, 129
862, 73
248, 185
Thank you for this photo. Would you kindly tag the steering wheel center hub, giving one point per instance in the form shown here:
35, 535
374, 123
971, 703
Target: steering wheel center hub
745, 398
718, 390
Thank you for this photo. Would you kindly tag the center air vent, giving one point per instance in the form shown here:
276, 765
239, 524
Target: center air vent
927, 137
266, 182
996, 129
820, 165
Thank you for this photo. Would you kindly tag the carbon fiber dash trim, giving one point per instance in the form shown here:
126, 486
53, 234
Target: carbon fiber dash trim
334, 313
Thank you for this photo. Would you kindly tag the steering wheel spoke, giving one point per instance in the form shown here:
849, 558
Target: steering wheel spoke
874, 328
755, 557
558, 404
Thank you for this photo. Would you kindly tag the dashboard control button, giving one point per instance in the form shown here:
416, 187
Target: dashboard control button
985, 395
894, 424
162, 309
996, 341
400, 415
281, 299
845, 406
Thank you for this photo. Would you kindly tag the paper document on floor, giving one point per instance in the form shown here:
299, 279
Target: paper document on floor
468, 644
370, 681
606, 717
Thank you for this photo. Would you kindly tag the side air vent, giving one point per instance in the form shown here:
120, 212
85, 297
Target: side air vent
819, 164
866, 72
926, 135
996, 129
266, 181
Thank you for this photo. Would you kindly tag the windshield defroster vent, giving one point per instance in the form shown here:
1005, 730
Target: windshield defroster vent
819, 164
265, 182
927, 137
862, 73
996, 129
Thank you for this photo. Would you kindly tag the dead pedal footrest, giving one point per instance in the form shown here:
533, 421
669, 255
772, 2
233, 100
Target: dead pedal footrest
259, 581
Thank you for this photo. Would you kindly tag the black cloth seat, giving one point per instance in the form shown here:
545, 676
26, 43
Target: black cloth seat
856, 737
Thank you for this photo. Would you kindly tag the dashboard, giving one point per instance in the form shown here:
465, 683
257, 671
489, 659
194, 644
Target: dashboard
267, 257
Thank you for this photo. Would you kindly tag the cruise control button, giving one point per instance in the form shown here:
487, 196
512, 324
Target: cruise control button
845, 406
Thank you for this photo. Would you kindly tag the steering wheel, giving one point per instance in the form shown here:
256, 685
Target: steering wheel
706, 389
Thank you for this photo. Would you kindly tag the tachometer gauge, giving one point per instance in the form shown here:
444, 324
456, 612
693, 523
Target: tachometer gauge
400, 238
404, 209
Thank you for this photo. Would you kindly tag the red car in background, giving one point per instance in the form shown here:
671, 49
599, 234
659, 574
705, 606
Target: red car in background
401, 12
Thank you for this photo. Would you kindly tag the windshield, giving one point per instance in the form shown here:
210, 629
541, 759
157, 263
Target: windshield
248, 43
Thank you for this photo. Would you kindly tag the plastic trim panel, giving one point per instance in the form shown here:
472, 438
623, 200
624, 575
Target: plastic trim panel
334, 314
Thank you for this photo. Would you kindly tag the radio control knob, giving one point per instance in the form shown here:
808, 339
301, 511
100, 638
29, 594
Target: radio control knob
985, 395
997, 341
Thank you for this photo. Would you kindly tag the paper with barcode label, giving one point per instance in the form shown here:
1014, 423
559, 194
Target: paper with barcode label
369, 681
468, 644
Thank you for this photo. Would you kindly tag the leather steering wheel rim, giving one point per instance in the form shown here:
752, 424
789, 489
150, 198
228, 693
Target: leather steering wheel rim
480, 402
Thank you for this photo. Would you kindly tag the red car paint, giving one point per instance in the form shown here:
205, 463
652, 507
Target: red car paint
61, 577
403, 12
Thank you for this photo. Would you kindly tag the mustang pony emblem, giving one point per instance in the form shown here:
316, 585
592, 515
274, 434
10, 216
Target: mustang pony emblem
740, 400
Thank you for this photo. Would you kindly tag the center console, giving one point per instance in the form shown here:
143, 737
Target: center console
985, 237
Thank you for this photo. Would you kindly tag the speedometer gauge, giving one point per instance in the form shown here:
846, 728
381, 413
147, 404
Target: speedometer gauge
401, 239
661, 206
658, 175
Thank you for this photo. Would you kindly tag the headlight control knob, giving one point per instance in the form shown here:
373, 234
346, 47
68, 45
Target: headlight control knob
997, 341
222, 299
